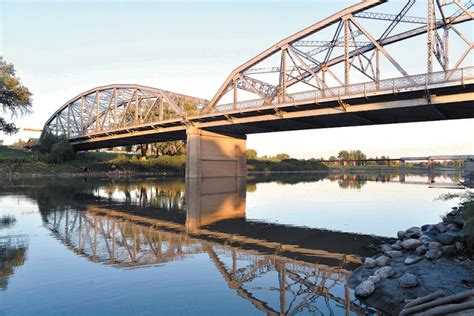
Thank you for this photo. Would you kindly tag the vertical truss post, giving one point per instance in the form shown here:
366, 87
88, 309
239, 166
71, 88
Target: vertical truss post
346, 54
446, 49
97, 96
82, 116
162, 109
115, 107
57, 125
283, 76
235, 88
377, 68
68, 121
323, 78
430, 36
136, 106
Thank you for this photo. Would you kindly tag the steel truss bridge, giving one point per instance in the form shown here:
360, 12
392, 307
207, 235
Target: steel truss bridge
124, 240
356, 67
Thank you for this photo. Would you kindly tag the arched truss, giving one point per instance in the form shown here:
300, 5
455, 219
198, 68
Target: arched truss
328, 53
118, 106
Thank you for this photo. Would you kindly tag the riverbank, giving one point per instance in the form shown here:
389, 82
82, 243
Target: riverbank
380, 169
423, 260
19, 163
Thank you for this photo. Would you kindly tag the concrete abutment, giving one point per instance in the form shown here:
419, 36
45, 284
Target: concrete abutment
211, 155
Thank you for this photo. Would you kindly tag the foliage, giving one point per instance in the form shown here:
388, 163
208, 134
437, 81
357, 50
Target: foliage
61, 151
351, 155
14, 97
158, 164
251, 154
7, 221
282, 156
56, 149
171, 148
285, 165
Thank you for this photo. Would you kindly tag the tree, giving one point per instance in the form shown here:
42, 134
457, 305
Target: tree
170, 148
282, 156
14, 97
343, 155
251, 154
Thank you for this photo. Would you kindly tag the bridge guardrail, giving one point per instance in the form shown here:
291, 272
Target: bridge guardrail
396, 85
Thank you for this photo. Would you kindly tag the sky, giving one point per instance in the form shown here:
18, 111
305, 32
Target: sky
62, 48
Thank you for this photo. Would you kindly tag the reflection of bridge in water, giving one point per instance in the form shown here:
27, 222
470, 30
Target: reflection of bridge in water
279, 269
357, 181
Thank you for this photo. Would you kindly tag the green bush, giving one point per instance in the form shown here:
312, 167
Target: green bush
54, 149
61, 151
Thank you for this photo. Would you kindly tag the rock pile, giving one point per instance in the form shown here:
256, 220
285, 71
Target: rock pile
416, 244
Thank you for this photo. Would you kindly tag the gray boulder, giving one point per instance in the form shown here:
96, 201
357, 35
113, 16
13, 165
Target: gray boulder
425, 227
421, 250
382, 261
365, 289
408, 280
396, 247
426, 239
441, 227
370, 263
453, 228
449, 250
384, 272
434, 245
432, 229
411, 244
374, 278
394, 253
433, 254
414, 230
401, 234
411, 259
385, 247
449, 238
459, 245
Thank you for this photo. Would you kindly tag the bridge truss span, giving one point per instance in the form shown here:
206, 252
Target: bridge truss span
408, 62
119, 106
336, 55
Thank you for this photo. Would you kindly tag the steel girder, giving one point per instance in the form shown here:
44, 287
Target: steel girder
119, 106
311, 56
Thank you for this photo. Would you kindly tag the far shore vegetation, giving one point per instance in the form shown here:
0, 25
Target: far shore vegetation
54, 155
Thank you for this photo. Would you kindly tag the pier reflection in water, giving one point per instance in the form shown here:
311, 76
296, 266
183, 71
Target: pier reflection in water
151, 224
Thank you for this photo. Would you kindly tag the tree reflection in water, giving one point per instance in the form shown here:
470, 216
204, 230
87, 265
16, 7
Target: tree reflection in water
12, 252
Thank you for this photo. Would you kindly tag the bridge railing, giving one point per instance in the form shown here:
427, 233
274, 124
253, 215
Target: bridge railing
396, 85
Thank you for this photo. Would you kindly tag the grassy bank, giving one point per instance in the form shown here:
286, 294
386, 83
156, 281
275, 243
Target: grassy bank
16, 161
23, 162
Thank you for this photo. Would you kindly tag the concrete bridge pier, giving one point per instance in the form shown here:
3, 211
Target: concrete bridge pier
469, 166
211, 155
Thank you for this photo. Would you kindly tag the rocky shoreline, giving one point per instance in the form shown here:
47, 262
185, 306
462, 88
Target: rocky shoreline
423, 260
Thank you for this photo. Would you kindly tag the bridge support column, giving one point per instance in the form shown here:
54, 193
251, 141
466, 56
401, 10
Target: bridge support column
210, 155
469, 166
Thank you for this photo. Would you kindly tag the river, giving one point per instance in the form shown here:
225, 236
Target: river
269, 244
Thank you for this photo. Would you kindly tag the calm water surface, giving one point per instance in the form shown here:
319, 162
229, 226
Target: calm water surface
266, 245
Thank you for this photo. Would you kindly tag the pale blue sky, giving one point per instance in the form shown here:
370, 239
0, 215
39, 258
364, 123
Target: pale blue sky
61, 48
